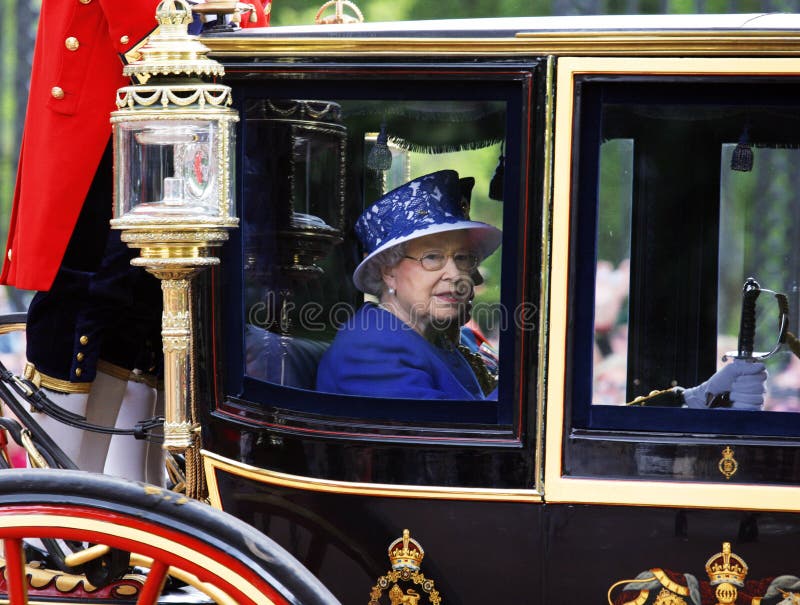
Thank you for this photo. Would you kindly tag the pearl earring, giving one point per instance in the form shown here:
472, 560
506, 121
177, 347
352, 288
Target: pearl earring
392, 291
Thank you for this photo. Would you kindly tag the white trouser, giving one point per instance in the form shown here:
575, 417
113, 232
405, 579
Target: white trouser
110, 402
133, 458
68, 438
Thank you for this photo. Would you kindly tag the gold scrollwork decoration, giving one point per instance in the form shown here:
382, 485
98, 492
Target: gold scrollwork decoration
215, 95
405, 555
391, 578
665, 597
726, 572
206, 236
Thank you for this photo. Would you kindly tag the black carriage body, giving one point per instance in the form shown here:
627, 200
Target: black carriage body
618, 139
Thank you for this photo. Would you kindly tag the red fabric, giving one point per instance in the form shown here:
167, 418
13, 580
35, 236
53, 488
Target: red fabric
476, 330
64, 139
262, 12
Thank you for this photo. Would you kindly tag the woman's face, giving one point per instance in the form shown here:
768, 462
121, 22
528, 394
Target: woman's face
423, 298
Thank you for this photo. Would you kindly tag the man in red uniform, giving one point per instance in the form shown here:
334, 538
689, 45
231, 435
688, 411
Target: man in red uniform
92, 310
261, 14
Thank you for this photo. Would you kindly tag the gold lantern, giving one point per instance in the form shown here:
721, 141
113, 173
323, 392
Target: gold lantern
173, 137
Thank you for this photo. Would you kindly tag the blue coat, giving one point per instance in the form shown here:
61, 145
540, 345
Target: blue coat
376, 355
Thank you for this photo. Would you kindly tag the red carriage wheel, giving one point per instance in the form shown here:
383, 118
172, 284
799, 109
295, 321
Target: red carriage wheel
165, 533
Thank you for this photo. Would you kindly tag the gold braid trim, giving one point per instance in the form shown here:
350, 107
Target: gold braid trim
793, 343
112, 369
41, 380
195, 476
487, 382
54, 384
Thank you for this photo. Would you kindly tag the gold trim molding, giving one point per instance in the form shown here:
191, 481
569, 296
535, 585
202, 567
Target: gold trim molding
41, 380
15, 327
606, 43
213, 462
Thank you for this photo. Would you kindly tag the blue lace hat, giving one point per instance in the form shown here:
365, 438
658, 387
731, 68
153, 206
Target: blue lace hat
433, 203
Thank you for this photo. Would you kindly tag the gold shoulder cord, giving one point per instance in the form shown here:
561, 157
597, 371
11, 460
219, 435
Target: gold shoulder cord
487, 382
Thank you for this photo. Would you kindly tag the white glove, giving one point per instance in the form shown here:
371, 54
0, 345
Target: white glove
744, 380
748, 390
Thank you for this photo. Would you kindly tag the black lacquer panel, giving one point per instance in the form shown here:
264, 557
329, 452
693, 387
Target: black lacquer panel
475, 552
496, 552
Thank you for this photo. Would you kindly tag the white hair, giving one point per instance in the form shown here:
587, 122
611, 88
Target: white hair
373, 271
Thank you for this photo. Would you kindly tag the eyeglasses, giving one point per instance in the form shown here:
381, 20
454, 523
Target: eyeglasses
433, 260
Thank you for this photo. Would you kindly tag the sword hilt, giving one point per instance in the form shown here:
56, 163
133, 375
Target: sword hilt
747, 324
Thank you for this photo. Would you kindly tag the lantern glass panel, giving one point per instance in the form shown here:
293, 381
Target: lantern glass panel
169, 168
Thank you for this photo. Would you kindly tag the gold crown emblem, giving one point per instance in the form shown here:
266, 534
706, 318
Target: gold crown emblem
727, 567
406, 553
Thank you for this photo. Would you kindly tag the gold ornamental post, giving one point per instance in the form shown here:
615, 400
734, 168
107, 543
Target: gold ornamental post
173, 137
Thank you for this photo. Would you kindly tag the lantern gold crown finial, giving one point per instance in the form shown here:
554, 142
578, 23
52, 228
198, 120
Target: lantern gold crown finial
406, 552
174, 13
171, 50
727, 567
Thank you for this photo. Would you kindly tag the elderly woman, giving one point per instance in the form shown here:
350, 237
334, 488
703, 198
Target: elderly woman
422, 251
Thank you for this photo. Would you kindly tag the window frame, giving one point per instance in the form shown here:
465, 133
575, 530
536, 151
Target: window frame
566, 441
312, 415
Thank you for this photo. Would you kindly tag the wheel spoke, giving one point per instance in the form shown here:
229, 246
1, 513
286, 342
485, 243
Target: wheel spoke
219, 596
86, 555
154, 584
124, 525
15, 570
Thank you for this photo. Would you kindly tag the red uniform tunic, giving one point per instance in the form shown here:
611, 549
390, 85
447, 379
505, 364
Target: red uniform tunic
76, 71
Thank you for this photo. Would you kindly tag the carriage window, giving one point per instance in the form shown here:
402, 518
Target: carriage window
372, 246
686, 191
